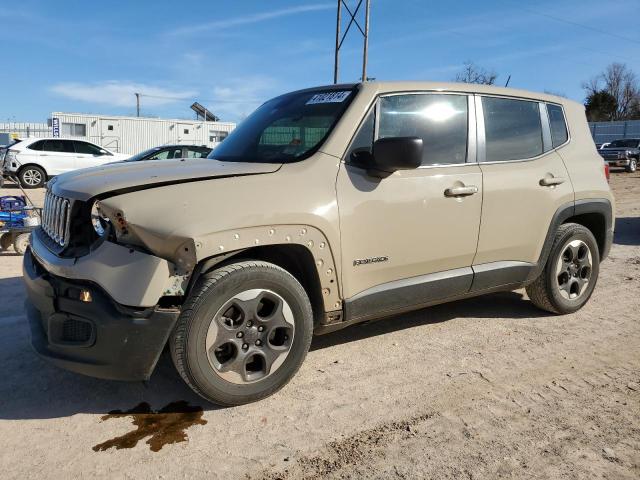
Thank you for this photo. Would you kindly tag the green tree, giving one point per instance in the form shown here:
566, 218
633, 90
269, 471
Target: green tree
601, 106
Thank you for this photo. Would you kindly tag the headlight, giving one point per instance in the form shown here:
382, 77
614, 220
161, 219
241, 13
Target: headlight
99, 220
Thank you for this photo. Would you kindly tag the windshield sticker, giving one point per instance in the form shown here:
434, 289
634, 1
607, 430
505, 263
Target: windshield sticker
329, 97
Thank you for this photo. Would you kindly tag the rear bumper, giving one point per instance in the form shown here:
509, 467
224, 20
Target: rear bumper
101, 338
619, 163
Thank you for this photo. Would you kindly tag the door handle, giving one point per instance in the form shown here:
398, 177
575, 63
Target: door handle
551, 181
461, 191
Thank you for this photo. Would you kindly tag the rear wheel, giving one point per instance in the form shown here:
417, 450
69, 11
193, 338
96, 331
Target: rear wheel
571, 271
243, 333
21, 242
633, 165
32, 176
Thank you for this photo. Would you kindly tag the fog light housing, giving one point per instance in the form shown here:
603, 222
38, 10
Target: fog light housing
85, 296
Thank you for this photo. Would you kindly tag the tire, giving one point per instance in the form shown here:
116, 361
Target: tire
32, 176
574, 258
217, 346
21, 242
633, 166
5, 241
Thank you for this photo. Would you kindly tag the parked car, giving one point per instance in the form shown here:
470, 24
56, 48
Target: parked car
622, 153
3, 152
325, 208
34, 160
170, 152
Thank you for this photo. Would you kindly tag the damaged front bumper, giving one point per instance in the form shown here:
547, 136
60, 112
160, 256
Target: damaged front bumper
100, 338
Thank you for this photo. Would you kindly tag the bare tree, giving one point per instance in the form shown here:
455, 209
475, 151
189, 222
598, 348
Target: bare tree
472, 73
622, 84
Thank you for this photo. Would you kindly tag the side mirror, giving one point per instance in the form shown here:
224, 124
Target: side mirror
395, 153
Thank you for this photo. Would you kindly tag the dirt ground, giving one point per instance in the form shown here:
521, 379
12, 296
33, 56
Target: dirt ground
479, 389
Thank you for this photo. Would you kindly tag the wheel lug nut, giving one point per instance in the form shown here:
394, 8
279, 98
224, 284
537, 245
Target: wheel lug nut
239, 334
258, 342
249, 324
261, 328
245, 346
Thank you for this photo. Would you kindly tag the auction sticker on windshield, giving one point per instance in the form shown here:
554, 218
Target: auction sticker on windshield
329, 97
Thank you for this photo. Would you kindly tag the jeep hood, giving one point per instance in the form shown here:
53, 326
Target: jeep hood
130, 176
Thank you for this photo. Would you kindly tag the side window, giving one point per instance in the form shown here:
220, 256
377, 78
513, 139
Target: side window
166, 154
39, 145
197, 152
440, 120
513, 130
87, 148
63, 146
559, 134
363, 141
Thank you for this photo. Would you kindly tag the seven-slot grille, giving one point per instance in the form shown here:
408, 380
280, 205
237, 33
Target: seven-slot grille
55, 218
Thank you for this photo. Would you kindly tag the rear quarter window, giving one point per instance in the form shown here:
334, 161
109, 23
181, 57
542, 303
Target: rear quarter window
558, 124
37, 145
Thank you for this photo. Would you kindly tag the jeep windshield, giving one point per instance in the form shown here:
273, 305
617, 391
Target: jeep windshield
624, 144
286, 129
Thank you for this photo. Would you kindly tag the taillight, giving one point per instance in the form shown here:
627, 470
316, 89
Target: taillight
606, 170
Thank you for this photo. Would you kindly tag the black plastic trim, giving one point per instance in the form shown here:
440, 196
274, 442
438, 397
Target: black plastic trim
125, 344
407, 294
496, 274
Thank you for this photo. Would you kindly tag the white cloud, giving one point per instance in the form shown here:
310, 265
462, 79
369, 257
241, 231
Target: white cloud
236, 98
121, 94
255, 18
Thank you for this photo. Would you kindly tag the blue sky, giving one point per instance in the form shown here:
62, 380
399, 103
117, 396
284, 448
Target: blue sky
90, 56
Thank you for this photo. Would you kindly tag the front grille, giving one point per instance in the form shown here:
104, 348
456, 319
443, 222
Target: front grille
76, 331
55, 218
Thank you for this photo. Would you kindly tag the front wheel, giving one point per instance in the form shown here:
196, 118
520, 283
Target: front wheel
32, 176
6, 239
571, 271
633, 165
243, 333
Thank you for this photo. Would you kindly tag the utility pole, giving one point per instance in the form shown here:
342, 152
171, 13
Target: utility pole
137, 104
340, 38
366, 41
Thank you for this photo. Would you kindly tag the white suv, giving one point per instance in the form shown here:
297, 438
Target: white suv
34, 160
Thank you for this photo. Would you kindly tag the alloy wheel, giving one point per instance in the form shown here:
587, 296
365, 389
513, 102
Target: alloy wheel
32, 177
573, 269
250, 336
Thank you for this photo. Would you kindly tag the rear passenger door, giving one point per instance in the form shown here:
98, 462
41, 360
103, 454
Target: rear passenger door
525, 182
58, 156
410, 238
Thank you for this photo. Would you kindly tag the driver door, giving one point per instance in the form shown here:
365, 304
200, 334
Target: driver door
408, 239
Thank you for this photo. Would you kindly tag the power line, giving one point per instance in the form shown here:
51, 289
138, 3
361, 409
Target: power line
576, 24
217, 100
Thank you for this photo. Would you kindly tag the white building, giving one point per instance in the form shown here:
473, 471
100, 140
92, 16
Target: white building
135, 134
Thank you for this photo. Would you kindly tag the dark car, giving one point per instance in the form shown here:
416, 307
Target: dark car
622, 153
168, 152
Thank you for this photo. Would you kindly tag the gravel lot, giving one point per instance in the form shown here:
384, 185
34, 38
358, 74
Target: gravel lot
482, 388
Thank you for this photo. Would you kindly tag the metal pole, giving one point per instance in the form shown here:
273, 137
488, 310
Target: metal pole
137, 104
204, 126
337, 54
366, 42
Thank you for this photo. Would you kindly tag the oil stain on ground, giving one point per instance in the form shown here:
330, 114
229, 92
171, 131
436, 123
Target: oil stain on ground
165, 426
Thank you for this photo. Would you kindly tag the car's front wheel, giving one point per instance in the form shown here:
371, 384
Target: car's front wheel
633, 165
243, 333
32, 176
571, 272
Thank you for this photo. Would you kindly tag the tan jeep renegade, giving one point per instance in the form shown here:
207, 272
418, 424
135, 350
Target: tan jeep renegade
326, 207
